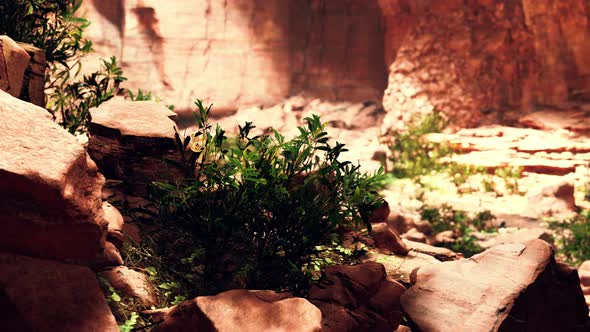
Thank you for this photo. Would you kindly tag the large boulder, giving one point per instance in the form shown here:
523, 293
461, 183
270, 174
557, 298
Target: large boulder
242, 310
50, 205
358, 298
43, 295
511, 287
130, 140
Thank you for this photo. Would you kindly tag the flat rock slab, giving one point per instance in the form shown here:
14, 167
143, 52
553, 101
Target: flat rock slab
130, 141
400, 267
577, 121
45, 295
135, 118
511, 287
50, 204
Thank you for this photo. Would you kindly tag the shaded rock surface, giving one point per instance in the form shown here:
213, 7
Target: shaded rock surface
242, 310
13, 64
130, 141
48, 296
131, 284
511, 287
50, 204
358, 298
584, 271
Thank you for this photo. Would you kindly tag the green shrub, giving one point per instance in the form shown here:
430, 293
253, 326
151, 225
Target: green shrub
47, 24
73, 100
445, 218
573, 238
54, 27
412, 155
260, 209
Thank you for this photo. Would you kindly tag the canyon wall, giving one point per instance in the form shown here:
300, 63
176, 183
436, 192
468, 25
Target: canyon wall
243, 52
472, 58
466, 58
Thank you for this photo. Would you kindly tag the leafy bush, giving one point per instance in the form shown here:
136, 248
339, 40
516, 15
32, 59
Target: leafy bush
412, 155
73, 100
49, 25
573, 238
260, 208
53, 27
445, 218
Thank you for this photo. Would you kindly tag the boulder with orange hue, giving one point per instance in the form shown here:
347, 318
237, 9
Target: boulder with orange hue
511, 287
241, 310
50, 205
45, 296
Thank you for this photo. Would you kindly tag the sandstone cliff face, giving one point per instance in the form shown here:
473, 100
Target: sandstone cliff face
237, 53
469, 58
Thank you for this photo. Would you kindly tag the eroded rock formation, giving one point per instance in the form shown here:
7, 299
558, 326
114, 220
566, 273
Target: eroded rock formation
469, 59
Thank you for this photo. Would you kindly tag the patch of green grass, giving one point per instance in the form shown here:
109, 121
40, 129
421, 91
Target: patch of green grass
573, 238
411, 154
446, 218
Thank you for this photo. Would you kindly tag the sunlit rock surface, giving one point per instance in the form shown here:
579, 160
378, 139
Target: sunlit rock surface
240, 53
50, 204
512, 287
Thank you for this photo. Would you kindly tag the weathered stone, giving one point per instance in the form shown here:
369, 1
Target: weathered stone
442, 254
512, 287
131, 284
241, 310
129, 141
400, 267
51, 296
50, 203
13, 64
33, 89
516, 235
555, 199
414, 235
386, 238
358, 298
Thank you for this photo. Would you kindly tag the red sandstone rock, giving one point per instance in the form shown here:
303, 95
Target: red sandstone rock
13, 64
512, 287
50, 204
129, 141
386, 238
358, 298
50, 296
241, 310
